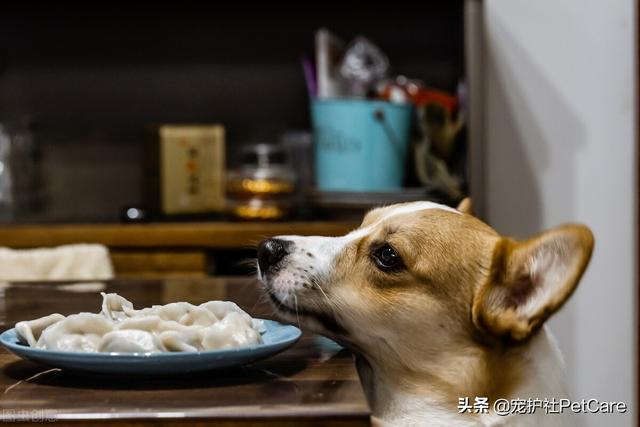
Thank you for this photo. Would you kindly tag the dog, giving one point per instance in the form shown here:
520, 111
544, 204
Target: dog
439, 309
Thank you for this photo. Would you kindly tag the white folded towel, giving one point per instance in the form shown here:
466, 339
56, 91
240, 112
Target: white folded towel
68, 262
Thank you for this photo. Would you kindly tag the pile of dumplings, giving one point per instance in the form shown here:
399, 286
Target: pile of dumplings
120, 328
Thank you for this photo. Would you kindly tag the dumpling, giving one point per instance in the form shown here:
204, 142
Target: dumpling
59, 336
221, 308
175, 341
232, 331
186, 314
145, 323
130, 341
198, 316
29, 331
113, 306
85, 343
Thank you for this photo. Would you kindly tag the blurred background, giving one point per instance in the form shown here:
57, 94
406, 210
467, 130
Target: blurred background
88, 83
179, 135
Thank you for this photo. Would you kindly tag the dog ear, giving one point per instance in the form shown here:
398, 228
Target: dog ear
530, 280
465, 206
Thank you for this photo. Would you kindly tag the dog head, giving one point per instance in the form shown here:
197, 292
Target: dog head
421, 281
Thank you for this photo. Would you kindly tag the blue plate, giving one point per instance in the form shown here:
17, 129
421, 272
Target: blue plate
277, 338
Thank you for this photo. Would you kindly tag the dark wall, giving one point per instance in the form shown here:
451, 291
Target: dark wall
90, 78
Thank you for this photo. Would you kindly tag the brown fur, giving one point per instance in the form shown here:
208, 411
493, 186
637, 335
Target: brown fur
456, 319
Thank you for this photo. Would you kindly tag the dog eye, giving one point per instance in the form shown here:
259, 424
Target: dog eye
386, 258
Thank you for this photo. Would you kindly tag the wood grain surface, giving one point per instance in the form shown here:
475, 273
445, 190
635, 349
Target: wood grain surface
312, 383
212, 235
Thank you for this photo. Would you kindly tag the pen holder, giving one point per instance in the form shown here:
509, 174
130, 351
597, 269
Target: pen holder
360, 145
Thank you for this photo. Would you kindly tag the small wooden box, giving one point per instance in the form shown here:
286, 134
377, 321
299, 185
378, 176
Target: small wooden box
186, 169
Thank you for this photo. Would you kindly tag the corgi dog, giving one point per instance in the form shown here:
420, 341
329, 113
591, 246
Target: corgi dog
445, 315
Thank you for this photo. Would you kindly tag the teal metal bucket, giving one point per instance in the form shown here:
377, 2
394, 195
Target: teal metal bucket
360, 145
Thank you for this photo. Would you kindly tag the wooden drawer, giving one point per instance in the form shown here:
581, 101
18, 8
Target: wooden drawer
129, 263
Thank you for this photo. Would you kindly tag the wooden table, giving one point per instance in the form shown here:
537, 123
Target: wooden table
312, 383
166, 248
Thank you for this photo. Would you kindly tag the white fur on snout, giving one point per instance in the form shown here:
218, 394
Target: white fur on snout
307, 261
284, 285
312, 255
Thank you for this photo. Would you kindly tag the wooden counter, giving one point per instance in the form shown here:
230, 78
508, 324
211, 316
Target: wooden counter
312, 383
168, 249
212, 235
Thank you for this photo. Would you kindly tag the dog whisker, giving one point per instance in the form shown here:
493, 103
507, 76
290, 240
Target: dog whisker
315, 283
295, 300
247, 267
248, 262
262, 298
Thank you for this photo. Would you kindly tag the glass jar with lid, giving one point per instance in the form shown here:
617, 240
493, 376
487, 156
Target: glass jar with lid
263, 187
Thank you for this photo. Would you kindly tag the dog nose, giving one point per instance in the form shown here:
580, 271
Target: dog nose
271, 252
